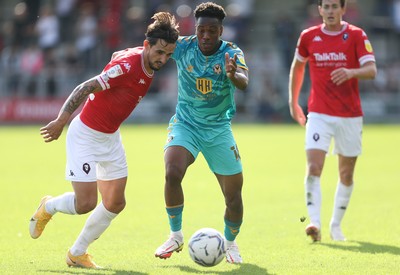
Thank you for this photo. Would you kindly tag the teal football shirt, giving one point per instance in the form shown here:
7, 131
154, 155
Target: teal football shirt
205, 93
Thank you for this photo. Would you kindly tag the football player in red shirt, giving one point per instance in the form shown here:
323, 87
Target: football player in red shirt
338, 55
96, 158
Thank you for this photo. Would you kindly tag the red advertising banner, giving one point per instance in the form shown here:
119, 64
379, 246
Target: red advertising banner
29, 110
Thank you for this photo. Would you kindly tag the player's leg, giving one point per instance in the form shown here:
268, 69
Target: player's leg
111, 173
343, 193
348, 141
231, 187
319, 132
113, 202
177, 159
223, 158
180, 153
313, 196
79, 168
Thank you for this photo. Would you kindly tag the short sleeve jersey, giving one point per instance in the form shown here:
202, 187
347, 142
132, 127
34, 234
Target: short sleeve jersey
125, 82
326, 51
205, 93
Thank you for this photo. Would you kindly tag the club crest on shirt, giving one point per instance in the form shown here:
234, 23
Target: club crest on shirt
217, 69
345, 36
114, 71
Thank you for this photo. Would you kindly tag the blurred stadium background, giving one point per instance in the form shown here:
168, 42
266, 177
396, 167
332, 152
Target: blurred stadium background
47, 47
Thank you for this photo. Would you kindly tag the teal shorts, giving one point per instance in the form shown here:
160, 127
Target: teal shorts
220, 151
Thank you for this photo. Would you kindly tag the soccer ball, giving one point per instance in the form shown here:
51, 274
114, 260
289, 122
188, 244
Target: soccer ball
207, 247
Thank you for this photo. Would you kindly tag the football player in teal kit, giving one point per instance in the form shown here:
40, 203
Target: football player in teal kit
209, 72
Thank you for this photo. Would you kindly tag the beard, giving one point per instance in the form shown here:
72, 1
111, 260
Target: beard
153, 66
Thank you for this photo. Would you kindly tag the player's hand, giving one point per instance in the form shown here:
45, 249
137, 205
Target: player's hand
341, 75
52, 131
230, 65
297, 114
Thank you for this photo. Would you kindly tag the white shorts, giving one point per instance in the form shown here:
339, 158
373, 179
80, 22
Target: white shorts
93, 155
345, 131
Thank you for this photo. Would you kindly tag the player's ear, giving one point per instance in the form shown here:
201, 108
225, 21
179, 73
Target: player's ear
146, 44
221, 30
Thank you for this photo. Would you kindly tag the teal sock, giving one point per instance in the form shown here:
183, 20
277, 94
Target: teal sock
175, 217
231, 229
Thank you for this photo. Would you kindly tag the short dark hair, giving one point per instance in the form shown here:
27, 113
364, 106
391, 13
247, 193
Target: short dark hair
342, 3
164, 27
210, 9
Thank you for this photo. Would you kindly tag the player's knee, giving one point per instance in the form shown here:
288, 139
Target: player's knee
234, 203
346, 177
85, 206
173, 174
115, 206
314, 169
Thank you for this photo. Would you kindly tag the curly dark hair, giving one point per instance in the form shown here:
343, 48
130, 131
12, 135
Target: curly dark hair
342, 3
210, 9
164, 27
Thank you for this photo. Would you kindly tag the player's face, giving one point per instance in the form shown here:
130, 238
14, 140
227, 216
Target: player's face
158, 54
208, 31
331, 13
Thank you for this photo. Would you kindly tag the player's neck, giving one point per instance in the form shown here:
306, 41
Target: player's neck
334, 27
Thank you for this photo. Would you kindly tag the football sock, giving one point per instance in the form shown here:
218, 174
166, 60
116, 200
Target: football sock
231, 230
342, 198
177, 235
64, 203
95, 225
175, 217
313, 199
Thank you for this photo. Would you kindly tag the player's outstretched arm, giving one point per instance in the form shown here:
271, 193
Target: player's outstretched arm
53, 130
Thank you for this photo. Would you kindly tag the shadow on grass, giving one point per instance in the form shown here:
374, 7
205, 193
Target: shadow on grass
241, 269
103, 271
364, 247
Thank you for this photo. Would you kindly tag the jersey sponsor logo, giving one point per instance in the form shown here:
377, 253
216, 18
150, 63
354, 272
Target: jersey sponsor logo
217, 69
368, 46
141, 81
317, 38
204, 85
330, 56
114, 71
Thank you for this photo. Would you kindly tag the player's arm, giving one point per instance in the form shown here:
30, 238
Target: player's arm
238, 76
367, 71
296, 78
53, 130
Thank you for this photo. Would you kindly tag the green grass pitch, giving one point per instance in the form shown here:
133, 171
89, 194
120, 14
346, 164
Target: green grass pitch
272, 238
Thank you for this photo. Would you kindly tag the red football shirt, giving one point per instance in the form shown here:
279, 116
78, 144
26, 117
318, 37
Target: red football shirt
326, 51
125, 82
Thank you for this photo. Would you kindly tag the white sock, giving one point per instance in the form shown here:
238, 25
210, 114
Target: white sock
313, 199
342, 198
229, 243
95, 225
177, 235
64, 203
